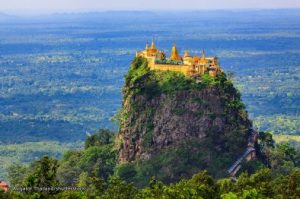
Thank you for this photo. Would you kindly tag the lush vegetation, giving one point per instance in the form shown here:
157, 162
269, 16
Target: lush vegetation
293, 140
92, 173
25, 153
141, 80
177, 162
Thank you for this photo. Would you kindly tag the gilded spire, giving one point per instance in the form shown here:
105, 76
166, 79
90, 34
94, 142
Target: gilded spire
174, 50
147, 46
174, 54
152, 44
186, 53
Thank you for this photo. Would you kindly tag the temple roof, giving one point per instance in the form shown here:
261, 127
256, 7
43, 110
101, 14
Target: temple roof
152, 44
174, 54
186, 53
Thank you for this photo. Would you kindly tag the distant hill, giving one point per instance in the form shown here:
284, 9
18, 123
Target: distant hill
6, 17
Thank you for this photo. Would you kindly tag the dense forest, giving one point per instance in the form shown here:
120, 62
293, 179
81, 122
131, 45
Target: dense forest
90, 173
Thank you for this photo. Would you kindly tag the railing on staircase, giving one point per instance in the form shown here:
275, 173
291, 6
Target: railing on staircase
235, 167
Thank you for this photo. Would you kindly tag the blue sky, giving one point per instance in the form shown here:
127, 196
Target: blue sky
103, 5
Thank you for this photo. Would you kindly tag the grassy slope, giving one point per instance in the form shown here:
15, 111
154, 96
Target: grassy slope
294, 140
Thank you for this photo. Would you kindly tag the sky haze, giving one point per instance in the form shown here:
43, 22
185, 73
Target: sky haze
100, 5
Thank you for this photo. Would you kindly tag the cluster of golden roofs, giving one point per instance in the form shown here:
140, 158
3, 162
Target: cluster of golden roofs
190, 65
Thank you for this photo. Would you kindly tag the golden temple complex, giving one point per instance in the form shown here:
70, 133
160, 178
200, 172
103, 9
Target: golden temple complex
188, 65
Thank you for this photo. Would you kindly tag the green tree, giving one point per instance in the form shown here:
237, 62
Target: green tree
5, 195
290, 153
119, 189
102, 137
16, 174
44, 174
229, 195
201, 185
69, 168
225, 185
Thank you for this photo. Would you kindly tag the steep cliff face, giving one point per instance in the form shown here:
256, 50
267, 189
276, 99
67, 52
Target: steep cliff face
176, 125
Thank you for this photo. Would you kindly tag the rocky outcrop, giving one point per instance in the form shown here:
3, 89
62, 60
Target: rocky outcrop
168, 119
156, 119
